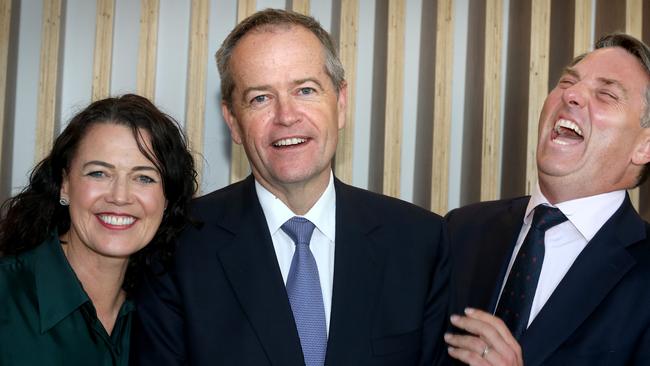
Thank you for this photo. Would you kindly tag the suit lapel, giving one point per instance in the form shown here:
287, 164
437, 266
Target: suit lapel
599, 267
493, 255
251, 266
357, 276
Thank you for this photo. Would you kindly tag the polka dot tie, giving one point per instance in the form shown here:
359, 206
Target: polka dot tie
519, 291
305, 295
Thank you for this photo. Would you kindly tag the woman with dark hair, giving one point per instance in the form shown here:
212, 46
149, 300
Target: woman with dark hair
113, 192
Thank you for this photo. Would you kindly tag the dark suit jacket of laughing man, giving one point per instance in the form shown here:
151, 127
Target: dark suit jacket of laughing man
592, 302
382, 263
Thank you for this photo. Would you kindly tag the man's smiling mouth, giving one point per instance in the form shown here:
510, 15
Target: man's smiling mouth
289, 142
566, 132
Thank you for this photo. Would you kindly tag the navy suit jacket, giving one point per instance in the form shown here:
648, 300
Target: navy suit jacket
224, 301
600, 312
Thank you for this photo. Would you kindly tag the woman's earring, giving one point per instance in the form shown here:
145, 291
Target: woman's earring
63, 201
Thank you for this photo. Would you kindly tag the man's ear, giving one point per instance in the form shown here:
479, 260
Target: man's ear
342, 104
641, 154
231, 121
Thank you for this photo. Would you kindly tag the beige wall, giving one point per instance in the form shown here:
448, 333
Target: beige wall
444, 94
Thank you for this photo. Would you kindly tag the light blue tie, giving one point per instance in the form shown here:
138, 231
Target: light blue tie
305, 296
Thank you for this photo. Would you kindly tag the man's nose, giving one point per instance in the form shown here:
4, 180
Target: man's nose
286, 111
575, 95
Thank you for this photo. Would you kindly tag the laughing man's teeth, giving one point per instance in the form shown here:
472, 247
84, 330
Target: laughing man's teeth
567, 124
117, 220
289, 142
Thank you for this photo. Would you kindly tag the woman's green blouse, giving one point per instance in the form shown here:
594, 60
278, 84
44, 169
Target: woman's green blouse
46, 318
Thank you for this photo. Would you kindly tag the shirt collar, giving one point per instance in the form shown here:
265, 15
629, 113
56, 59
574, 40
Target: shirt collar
586, 214
58, 290
321, 214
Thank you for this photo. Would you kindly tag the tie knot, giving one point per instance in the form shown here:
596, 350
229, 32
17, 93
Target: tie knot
299, 229
546, 217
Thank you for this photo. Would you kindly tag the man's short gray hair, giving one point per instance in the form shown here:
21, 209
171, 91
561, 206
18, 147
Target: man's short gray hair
268, 20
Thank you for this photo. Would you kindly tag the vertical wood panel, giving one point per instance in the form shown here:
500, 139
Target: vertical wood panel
394, 98
491, 146
442, 106
634, 18
349, 29
5, 27
103, 55
582, 27
239, 167
515, 114
300, 6
48, 78
538, 81
245, 8
634, 27
196, 79
148, 48
610, 17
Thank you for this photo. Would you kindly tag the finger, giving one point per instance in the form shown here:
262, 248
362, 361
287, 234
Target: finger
494, 321
468, 342
477, 327
498, 325
499, 347
468, 357
474, 344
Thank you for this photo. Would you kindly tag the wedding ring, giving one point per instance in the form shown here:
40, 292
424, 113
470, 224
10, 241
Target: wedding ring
485, 351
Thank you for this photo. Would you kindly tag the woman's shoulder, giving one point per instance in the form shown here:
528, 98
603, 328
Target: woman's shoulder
16, 273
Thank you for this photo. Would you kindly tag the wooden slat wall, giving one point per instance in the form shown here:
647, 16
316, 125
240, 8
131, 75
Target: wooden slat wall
582, 39
394, 98
48, 78
300, 6
531, 84
442, 106
103, 55
634, 17
349, 27
5, 26
538, 81
634, 27
491, 156
148, 48
196, 80
239, 167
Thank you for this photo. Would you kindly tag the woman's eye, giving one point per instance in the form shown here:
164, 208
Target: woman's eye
96, 174
146, 179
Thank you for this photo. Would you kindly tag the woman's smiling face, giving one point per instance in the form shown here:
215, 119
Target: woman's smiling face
115, 193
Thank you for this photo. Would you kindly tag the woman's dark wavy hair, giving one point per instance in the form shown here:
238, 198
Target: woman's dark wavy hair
31, 217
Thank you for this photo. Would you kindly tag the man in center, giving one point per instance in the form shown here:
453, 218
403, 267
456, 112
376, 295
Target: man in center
292, 266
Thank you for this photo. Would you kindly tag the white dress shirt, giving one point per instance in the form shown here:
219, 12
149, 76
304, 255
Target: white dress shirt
323, 216
564, 242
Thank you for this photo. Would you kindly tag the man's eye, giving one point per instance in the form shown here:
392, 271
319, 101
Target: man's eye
565, 83
259, 99
608, 94
306, 91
